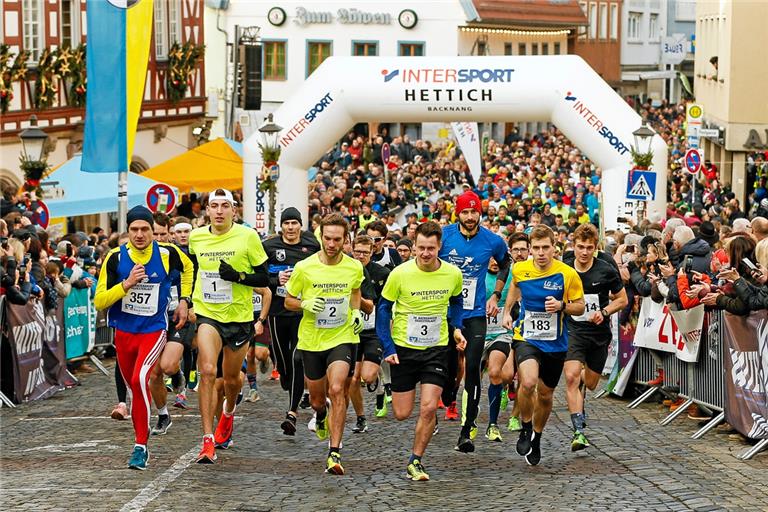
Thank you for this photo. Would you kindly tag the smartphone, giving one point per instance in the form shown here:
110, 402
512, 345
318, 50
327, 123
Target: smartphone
751, 266
621, 219
688, 264
630, 248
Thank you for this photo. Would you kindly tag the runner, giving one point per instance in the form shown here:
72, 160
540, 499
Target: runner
426, 293
384, 256
369, 350
500, 355
283, 253
258, 349
231, 261
178, 339
180, 234
470, 247
329, 286
135, 284
549, 289
589, 334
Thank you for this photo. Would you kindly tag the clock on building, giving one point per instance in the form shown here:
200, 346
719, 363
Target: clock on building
276, 16
407, 18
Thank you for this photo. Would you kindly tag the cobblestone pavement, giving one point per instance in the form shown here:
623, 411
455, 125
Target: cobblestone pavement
65, 453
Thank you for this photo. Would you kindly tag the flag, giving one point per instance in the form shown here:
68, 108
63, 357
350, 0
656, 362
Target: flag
119, 35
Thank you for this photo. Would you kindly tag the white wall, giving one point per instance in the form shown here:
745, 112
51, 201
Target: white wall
645, 49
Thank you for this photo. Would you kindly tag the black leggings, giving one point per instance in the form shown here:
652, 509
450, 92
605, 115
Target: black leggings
474, 331
122, 391
285, 338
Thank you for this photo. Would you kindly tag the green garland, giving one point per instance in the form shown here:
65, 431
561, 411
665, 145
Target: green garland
182, 60
9, 73
77, 78
46, 85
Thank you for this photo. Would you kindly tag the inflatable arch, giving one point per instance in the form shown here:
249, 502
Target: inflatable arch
344, 91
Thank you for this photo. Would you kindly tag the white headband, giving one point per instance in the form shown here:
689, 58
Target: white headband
182, 225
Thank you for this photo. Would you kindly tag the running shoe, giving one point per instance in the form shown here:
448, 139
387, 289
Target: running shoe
321, 427
524, 442
179, 384
163, 424
120, 412
464, 445
436, 430
264, 366
181, 401
208, 454
533, 457
579, 441
275, 375
504, 401
239, 398
192, 384
312, 423
473, 431
416, 472
372, 387
225, 427
381, 406
289, 425
138, 458
226, 444
452, 412
304, 404
253, 396
168, 384
440, 404
361, 426
492, 433
333, 464
514, 424
388, 393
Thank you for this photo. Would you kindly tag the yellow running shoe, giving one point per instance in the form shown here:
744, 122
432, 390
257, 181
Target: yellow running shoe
416, 471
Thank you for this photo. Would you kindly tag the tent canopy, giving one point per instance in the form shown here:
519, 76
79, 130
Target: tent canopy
215, 164
87, 193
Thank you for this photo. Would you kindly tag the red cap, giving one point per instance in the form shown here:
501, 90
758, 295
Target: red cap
468, 200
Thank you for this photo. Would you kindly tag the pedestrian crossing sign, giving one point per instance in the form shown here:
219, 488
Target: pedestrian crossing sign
641, 185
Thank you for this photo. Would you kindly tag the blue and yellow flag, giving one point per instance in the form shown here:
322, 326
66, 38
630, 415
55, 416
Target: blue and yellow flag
119, 35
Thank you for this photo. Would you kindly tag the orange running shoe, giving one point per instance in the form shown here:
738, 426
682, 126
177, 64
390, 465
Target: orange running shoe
223, 433
208, 453
452, 413
275, 374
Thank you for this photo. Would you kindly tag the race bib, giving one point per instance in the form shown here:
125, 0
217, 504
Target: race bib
257, 303
281, 291
540, 325
173, 303
493, 323
334, 314
591, 304
215, 289
424, 331
369, 321
468, 289
142, 300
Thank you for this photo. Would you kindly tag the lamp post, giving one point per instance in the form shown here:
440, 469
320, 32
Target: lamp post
642, 159
33, 157
643, 138
270, 154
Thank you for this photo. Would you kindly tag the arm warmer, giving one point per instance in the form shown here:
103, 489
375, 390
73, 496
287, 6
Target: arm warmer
259, 278
504, 266
456, 312
383, 327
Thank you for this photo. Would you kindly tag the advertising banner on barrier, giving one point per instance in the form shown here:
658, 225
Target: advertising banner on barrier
78, 327
25, 335
746, 373
689, 323
625, 359
666, 330
54, 351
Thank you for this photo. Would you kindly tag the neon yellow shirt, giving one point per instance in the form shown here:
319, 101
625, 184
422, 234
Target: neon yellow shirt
333, 326
421, 299
213, 297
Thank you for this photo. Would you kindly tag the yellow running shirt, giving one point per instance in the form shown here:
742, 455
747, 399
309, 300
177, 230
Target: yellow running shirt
213, 297
333, 326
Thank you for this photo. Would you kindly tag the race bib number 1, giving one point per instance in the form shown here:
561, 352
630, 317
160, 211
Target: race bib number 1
540, 325
143, 299
215, 289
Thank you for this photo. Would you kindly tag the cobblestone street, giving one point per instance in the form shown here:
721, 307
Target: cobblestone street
67, 454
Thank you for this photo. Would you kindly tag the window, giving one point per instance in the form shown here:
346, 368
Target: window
653, 27
614, 22
545, 48
583, 30
317, 52
174, 22
521, 49
70, 17
557, 48
534, 48
32, 29
603, 21
507, 48
161, 31
633, 26
593, 20
410, 49
365, 49
274, 60
482, 48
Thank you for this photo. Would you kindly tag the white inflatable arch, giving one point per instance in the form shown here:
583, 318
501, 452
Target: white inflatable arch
344, 91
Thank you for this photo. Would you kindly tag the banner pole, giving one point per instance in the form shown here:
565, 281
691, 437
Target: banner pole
122, 202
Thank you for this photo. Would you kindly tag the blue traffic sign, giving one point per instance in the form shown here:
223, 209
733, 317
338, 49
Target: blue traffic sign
641, 185
692, 161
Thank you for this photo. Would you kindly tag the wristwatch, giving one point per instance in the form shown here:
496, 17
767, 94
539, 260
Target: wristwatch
497, 294
187, 300
604, 313
262, 321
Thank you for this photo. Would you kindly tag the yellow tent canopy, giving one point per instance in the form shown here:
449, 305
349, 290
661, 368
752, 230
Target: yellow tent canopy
215, 164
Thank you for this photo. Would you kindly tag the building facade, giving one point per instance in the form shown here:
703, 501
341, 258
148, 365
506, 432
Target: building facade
59, 27
644, 25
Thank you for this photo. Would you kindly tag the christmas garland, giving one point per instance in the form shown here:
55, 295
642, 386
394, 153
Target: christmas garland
10, 73
77, 78
47, 76
182, 60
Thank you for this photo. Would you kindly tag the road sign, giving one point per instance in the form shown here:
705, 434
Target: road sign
709, 132
161, 198
641, 185
694, 113
693, 142
385, 153
693, 160
40, 216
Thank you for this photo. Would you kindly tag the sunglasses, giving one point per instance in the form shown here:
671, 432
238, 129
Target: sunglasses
377, 239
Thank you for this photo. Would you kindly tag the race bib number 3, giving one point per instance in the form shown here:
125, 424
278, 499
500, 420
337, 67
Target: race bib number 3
424, 331
143, 299
591, 304
334, 314
468, 289
215, 289
540, 325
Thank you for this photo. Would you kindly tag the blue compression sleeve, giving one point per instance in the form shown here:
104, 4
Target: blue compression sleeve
456, 312
383, 327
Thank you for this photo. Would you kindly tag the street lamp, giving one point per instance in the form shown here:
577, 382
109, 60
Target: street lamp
33, 157
270, 154
643, 137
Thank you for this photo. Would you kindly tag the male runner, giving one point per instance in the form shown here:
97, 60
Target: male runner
384, 256
283, 253
369, 350
470, 247
180, 234
231, 262
328, 283
548, 289
501, 367
135, 284
426, 293
589, 334
177, 338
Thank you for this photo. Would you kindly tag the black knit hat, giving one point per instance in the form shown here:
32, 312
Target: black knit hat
290, 213
140, 213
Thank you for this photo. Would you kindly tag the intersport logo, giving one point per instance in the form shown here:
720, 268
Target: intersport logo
595, 122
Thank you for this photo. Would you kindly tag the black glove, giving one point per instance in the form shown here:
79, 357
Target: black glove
227, 273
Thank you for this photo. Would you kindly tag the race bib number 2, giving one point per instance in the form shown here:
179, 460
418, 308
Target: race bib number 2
334, 314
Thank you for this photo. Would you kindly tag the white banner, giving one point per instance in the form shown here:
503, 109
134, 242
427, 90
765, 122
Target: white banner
469, 141
659, 328
689, 324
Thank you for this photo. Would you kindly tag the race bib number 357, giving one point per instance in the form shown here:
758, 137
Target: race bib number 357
143, 299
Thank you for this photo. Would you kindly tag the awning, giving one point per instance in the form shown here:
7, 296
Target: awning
86, 193
215, 164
